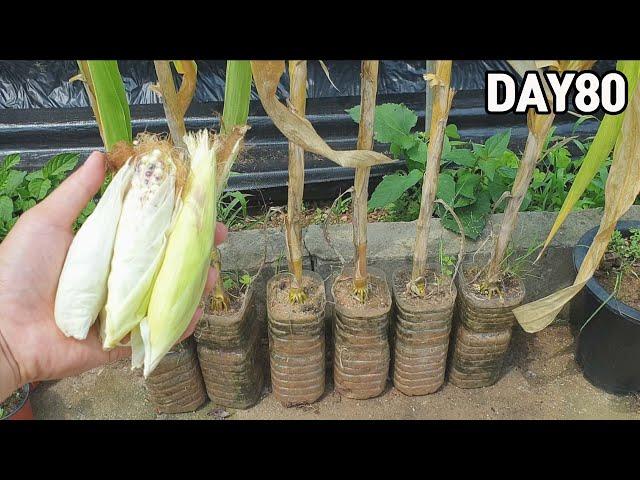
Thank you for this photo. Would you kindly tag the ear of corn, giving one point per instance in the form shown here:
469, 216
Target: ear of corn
139, 245
183, 273
82, 288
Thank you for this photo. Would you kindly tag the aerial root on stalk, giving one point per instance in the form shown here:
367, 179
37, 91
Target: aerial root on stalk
297, 295
219, 302
361, 293
491, 289
417, 287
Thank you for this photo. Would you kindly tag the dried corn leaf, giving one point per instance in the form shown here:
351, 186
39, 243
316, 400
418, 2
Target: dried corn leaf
266, 75
600, 148
622, 188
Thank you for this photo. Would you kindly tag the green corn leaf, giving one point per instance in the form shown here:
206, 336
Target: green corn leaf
111, 101
237, 94
599, 150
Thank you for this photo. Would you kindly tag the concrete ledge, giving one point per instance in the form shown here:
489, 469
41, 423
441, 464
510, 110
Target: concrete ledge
390, 245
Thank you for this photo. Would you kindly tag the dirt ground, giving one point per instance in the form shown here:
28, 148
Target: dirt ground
541, 381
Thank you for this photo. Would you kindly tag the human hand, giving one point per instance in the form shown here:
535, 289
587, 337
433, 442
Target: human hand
32, 348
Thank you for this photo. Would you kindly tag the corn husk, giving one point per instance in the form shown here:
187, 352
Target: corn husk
621, 190
140, 243
180, 282
82, 288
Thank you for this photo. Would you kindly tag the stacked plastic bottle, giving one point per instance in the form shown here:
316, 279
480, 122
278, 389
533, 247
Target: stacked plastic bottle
176, 384
482, 337
229, 353
297, 348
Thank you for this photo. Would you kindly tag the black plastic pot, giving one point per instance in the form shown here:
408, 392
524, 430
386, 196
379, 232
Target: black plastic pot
608, 344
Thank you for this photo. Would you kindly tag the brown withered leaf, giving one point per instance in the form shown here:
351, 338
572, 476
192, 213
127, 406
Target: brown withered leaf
266, 75
621, 190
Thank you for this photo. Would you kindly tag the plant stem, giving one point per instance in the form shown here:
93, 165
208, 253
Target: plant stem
442, 97
539, 126
170, 102
237, 94
368, 91
298, 81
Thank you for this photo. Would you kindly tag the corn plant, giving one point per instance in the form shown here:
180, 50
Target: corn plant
601, 147
368, 91
539, 126
237, 94
176, 103
441, 95
108, 100
621, 190
293, 224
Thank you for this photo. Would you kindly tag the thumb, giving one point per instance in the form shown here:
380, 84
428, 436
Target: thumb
65, 203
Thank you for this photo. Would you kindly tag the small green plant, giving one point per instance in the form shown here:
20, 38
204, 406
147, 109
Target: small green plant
236, 280
625, 250
447, 262
341, 206
21, 190
474, 177
232, 208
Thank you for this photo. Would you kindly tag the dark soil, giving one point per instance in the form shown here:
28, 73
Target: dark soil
628, 289
437, 288
10, 404
377, 299
281, 306
236, 297
509, 287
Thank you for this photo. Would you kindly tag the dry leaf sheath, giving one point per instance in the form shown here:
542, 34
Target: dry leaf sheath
293, 223
441, 94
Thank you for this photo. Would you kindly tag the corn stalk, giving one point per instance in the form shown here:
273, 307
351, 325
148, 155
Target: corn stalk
108, 100
539, 126
293, 224
440, 94
175, 104
368, 91
237, 95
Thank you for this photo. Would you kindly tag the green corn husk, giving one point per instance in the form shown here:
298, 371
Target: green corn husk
181, 279
82, 288
140, 242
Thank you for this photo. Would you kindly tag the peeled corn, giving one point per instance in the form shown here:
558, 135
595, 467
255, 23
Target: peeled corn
140, 242
82, 288
183, 274
181, 280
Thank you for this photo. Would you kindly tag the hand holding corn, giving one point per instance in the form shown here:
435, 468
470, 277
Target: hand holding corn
32, 348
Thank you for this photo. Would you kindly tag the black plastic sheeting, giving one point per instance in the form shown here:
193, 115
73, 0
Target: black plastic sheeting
45, 84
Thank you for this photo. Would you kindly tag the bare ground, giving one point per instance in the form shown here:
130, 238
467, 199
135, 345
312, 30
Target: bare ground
541, 381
